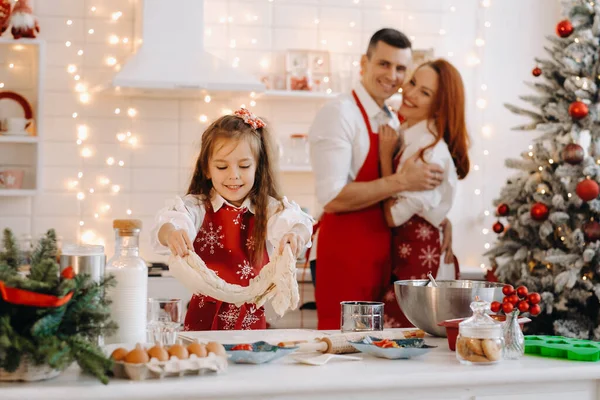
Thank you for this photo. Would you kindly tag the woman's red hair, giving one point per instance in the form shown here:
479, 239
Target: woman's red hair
449, 114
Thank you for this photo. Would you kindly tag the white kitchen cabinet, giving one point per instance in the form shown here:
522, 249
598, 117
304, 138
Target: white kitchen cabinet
22, 73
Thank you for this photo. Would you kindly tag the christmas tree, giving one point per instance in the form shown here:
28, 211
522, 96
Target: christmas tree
49, 318
549, 234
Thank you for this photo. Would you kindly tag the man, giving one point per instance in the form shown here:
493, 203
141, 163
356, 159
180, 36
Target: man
353, 251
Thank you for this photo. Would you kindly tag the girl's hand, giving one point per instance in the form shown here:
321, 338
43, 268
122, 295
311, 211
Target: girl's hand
179, 242
389, 142
295, 241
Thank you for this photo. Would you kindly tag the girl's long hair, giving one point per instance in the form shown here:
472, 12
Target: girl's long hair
448, 110
233, 127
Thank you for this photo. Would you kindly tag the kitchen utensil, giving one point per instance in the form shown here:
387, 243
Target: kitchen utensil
407, 348
562, 347
425, 306
361, 316
432, 280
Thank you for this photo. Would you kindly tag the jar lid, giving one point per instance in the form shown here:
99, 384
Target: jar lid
127, 225
480, 325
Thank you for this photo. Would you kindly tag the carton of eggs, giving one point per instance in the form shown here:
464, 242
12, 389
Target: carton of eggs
157, 361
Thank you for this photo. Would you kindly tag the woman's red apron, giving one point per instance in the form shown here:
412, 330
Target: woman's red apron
353, 253
416, 250
225, 244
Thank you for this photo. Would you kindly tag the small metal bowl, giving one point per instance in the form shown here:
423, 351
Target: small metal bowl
361, 316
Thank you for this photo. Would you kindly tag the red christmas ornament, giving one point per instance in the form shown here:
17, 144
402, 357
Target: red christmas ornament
587, 190
513, 299
507, 290
503, 210
535, 310
498, 227
507, 308
534, 298
536, 72
572, 154
564, 28
578, 110
539, 212
522, 292
523, 306
496, 306
68, 273
591, 231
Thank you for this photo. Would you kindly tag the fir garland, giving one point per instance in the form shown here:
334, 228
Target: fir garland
53, 336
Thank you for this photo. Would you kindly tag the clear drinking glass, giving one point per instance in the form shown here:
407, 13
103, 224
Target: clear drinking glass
164, 320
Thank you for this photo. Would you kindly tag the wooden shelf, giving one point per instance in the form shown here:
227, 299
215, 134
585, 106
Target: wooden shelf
293, 168
295, 94
18, 192
18, 139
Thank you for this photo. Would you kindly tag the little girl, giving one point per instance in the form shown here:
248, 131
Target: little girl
235, 217
434, 129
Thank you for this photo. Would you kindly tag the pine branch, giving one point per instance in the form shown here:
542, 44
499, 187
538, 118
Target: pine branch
45, 270
46, 248
10, 256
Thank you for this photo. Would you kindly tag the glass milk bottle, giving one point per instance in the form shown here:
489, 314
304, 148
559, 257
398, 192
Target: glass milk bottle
130, 295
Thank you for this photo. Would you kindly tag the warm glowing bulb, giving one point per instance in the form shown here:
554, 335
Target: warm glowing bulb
485, 231
113, 39
121, 136
103, 180
226, 111
129, 212
106, 207
133, 141
86, 152
72, 184
117, 111
69, 22
481, 103
1, 85
111, 61
487, 24
352, 24
486, 3
479, 42
132, 112
115, 188
121, 163
92, 190
486, 130
476, 167
68, 44
486, 152
473, 60
550, 161
110, 160
487, 245
80, 87
80, 174
484, 87
91, 31
207, 99
79, 142
87, 237
74, 115
77, 77
530, 154
80, 52
486, 213
252, 103
116, 15
203, 118
81, 223
477, 192
96, 215
93, 8
82, 132
72, 68
84, 97
264, 63
11, 65
125, 40
80, 196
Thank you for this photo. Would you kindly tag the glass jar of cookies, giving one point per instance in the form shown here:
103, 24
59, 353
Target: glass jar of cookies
480, 339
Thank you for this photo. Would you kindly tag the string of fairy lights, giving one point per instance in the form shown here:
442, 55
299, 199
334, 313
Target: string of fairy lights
89, 189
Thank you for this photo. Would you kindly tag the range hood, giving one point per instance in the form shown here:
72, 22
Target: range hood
171, 60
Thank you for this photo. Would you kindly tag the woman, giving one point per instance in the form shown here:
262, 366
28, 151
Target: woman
433, 126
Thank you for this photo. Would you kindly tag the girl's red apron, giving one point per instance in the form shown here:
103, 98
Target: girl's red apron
225, 244
353, 253
416, 250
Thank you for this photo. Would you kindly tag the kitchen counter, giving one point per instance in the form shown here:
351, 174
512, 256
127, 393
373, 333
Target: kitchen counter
436, 375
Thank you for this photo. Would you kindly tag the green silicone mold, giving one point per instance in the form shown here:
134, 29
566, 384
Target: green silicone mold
562, 347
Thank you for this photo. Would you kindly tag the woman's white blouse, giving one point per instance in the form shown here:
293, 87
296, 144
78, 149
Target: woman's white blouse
432, 205
188, 213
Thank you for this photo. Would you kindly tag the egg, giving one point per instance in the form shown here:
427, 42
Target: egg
179, 351
119, 354
158, 352
137, 355
217, 348
198, 349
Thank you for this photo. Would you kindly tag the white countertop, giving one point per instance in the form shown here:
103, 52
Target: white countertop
284, 378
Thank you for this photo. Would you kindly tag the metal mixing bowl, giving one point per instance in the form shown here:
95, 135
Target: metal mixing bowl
425, 305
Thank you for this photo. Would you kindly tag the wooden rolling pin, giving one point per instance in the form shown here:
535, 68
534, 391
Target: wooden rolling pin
339, 343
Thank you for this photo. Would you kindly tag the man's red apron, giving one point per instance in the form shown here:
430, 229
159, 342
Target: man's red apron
353, 253
225, 244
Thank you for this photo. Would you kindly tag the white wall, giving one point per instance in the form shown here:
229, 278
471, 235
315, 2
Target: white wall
169, 130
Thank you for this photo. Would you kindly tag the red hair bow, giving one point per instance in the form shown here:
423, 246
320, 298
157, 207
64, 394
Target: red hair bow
249, 118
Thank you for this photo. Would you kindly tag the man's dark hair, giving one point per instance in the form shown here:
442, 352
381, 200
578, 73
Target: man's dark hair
389, 36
